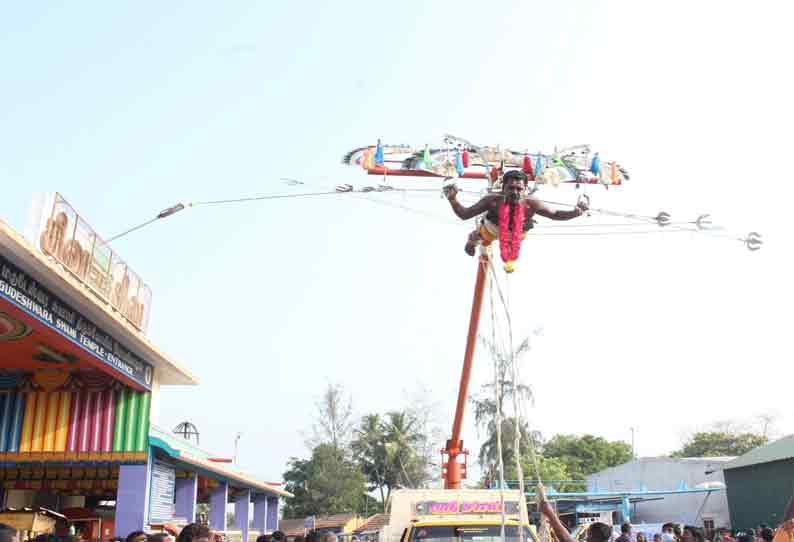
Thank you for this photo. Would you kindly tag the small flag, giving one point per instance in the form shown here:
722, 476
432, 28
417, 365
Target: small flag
459, 164
595, 166
527, 168
379, 154
465, 158
426, 158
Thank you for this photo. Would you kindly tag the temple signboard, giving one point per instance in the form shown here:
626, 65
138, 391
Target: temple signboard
63, 234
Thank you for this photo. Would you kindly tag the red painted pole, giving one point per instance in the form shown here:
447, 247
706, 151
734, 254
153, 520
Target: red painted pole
379, 170
453, 472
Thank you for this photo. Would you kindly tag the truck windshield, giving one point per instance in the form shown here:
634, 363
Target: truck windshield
473, 533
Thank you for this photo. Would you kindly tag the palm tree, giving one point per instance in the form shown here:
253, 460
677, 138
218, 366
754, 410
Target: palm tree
486, 405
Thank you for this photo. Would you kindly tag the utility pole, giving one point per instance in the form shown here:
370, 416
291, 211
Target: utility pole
236, 441
633, 453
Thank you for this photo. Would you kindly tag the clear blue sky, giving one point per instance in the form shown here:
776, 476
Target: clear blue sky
127, 108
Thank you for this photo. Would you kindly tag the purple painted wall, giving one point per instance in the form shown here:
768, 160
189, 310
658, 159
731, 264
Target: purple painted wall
241, 506
272, 513
218, 499
260, 513
186, 492
132, 499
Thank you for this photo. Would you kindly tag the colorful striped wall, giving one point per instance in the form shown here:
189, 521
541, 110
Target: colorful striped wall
78, 423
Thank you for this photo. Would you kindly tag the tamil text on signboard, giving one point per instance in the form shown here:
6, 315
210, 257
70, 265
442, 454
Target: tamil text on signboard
65, 236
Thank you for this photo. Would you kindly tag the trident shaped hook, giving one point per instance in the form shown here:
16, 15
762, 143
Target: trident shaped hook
753, 241
663, 219
703, 222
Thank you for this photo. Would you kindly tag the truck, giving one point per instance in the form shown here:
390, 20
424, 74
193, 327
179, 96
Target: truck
463, 515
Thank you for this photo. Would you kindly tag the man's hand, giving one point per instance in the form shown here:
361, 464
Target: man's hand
543, 503
451, 191
581, 207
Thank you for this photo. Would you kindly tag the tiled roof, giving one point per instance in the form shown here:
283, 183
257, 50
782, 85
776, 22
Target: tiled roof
373, 523
292, 527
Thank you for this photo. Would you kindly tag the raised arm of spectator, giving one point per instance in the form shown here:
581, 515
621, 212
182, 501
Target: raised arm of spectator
545, 507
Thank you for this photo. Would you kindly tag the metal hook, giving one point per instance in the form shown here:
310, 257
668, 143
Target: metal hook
753, 241
663, 219
703, 222
344, 188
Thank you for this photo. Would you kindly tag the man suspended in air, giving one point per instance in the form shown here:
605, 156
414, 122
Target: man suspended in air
508, 217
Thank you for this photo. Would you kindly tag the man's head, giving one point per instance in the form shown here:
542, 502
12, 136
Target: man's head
137, 536
194, 532
598, 532
279, 536
513, 184
7, 533
693, 534
657, 537
667, 528
767, 534
626, 528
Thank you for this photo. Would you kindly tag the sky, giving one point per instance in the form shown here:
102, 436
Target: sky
128, 108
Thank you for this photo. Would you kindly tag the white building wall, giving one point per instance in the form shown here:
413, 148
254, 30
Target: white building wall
154, 408
664, 473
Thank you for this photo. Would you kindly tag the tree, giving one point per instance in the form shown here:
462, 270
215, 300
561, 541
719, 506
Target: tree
586, 454
327, 483
388, 452
490, 401
334, 418
719, 443
489, 452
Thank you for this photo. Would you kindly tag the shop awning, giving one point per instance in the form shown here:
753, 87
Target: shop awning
183, 452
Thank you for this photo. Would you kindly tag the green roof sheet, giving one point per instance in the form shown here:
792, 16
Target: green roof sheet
774, 451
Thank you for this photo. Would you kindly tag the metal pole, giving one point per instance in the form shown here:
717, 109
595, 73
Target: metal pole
454, 447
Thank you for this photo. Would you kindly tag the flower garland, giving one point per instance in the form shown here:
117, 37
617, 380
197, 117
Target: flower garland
510, 235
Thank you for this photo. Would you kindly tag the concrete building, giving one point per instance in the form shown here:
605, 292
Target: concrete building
761, 484
664, 474
80, 394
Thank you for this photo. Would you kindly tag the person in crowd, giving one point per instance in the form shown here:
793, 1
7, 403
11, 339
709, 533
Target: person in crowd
299, 538
329, 537
641, 537
313, 536
160, 537
767, 534
279, 536
657, 537
7, 533
693, 534
194, 532
625, 533
596, 531
137, 536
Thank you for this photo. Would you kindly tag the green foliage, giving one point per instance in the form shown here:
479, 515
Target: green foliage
388, 452
586, 454
327, 483
719, 444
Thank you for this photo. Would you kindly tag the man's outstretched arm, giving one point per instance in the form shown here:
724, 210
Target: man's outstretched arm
557, 214
545, 506
462, 211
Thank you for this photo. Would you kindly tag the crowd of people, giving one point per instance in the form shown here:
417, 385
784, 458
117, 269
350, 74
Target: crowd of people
670, 532
193, 532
